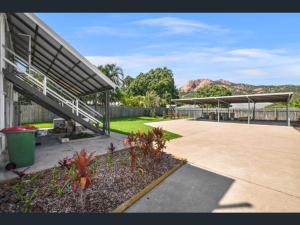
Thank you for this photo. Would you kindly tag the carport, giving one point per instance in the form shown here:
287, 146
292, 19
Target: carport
250, 99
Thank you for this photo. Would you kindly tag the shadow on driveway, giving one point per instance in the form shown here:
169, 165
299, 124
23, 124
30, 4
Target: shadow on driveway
189, 189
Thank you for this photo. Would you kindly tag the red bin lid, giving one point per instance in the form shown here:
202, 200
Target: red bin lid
19, 128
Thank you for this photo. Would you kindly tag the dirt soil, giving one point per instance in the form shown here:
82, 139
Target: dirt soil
113, 184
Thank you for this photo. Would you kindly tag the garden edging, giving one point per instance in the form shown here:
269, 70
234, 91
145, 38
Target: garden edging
121, 208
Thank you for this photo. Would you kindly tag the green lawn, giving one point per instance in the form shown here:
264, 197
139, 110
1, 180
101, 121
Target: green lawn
133, 124
124, 125
41, 124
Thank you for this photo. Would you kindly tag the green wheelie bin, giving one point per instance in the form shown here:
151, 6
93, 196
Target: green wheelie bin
21, 145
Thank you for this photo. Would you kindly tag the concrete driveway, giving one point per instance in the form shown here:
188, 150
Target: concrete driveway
262, 160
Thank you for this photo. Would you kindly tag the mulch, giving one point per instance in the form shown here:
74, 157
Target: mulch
112, 185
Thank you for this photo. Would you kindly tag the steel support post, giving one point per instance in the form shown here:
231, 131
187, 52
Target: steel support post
106, 125
45, 85
253, 116
248, 111
77, 111
218, 111
288, 112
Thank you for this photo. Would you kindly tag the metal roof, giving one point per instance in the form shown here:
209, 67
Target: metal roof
267, 97
55, 57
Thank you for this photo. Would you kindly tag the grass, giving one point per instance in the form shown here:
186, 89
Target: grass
41, 124
133, 124
124, 125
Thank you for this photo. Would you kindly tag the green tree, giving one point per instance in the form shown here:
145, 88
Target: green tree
159, 80
115, 73
126, 83
152, 101
133, 101
212, 90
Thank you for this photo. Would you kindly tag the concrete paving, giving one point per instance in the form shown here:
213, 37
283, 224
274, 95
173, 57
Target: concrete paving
50, 152
262, 161
189, 189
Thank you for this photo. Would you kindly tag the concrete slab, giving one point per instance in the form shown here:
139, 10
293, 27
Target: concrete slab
189, 189
262, 159
48, 154
192, 189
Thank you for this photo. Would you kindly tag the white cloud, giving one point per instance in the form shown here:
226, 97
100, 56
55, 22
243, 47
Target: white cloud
214, 63
253, 72
109, 30
252, 52
173, 25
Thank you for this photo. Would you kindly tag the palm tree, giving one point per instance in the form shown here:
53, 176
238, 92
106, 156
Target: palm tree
114, 72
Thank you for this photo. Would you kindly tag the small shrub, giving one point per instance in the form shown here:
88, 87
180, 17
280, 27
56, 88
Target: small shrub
65, 162
150, 145
81, 178
159, 142
23, 196
131, 141
110, 161
111, 148
123, 162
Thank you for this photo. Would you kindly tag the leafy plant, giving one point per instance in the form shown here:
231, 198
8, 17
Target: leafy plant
123, 162
111, 148
24, 197
131, 141
20, 173
65, 162
150, 145
159, 142
110, 161
94, 166
81, 177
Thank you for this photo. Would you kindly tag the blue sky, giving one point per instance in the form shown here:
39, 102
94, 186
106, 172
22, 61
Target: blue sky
249, 48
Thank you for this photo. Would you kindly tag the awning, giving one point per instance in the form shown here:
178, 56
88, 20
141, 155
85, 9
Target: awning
54, 57
258, 98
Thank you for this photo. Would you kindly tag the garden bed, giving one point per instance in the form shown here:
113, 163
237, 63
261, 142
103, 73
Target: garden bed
113, 183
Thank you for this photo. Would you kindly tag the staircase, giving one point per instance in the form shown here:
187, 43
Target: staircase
29, 81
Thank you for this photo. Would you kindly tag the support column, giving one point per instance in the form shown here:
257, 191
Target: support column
45, 85
106, 125
248, 111
218, 111
253, 111
2, 96
77, 111
288, 112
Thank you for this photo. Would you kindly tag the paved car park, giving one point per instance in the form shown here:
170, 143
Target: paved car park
261, 162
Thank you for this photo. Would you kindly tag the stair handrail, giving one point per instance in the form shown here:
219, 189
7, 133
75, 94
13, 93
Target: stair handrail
40, 85
34, 69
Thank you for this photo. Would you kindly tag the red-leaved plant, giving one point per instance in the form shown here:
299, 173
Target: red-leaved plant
131, 141
81, 178
159, 142
150, 144
65, 162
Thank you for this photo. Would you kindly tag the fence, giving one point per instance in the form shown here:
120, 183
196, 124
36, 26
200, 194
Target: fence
279, 114
35, 113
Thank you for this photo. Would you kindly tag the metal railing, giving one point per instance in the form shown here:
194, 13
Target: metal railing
50, 88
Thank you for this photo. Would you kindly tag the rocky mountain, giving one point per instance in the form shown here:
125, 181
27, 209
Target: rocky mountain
237, 88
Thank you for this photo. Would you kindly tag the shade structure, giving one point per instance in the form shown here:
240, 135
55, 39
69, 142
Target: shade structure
53, 56
257, 98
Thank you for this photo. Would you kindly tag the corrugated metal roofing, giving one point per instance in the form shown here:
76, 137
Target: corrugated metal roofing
267, 97
55, 57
